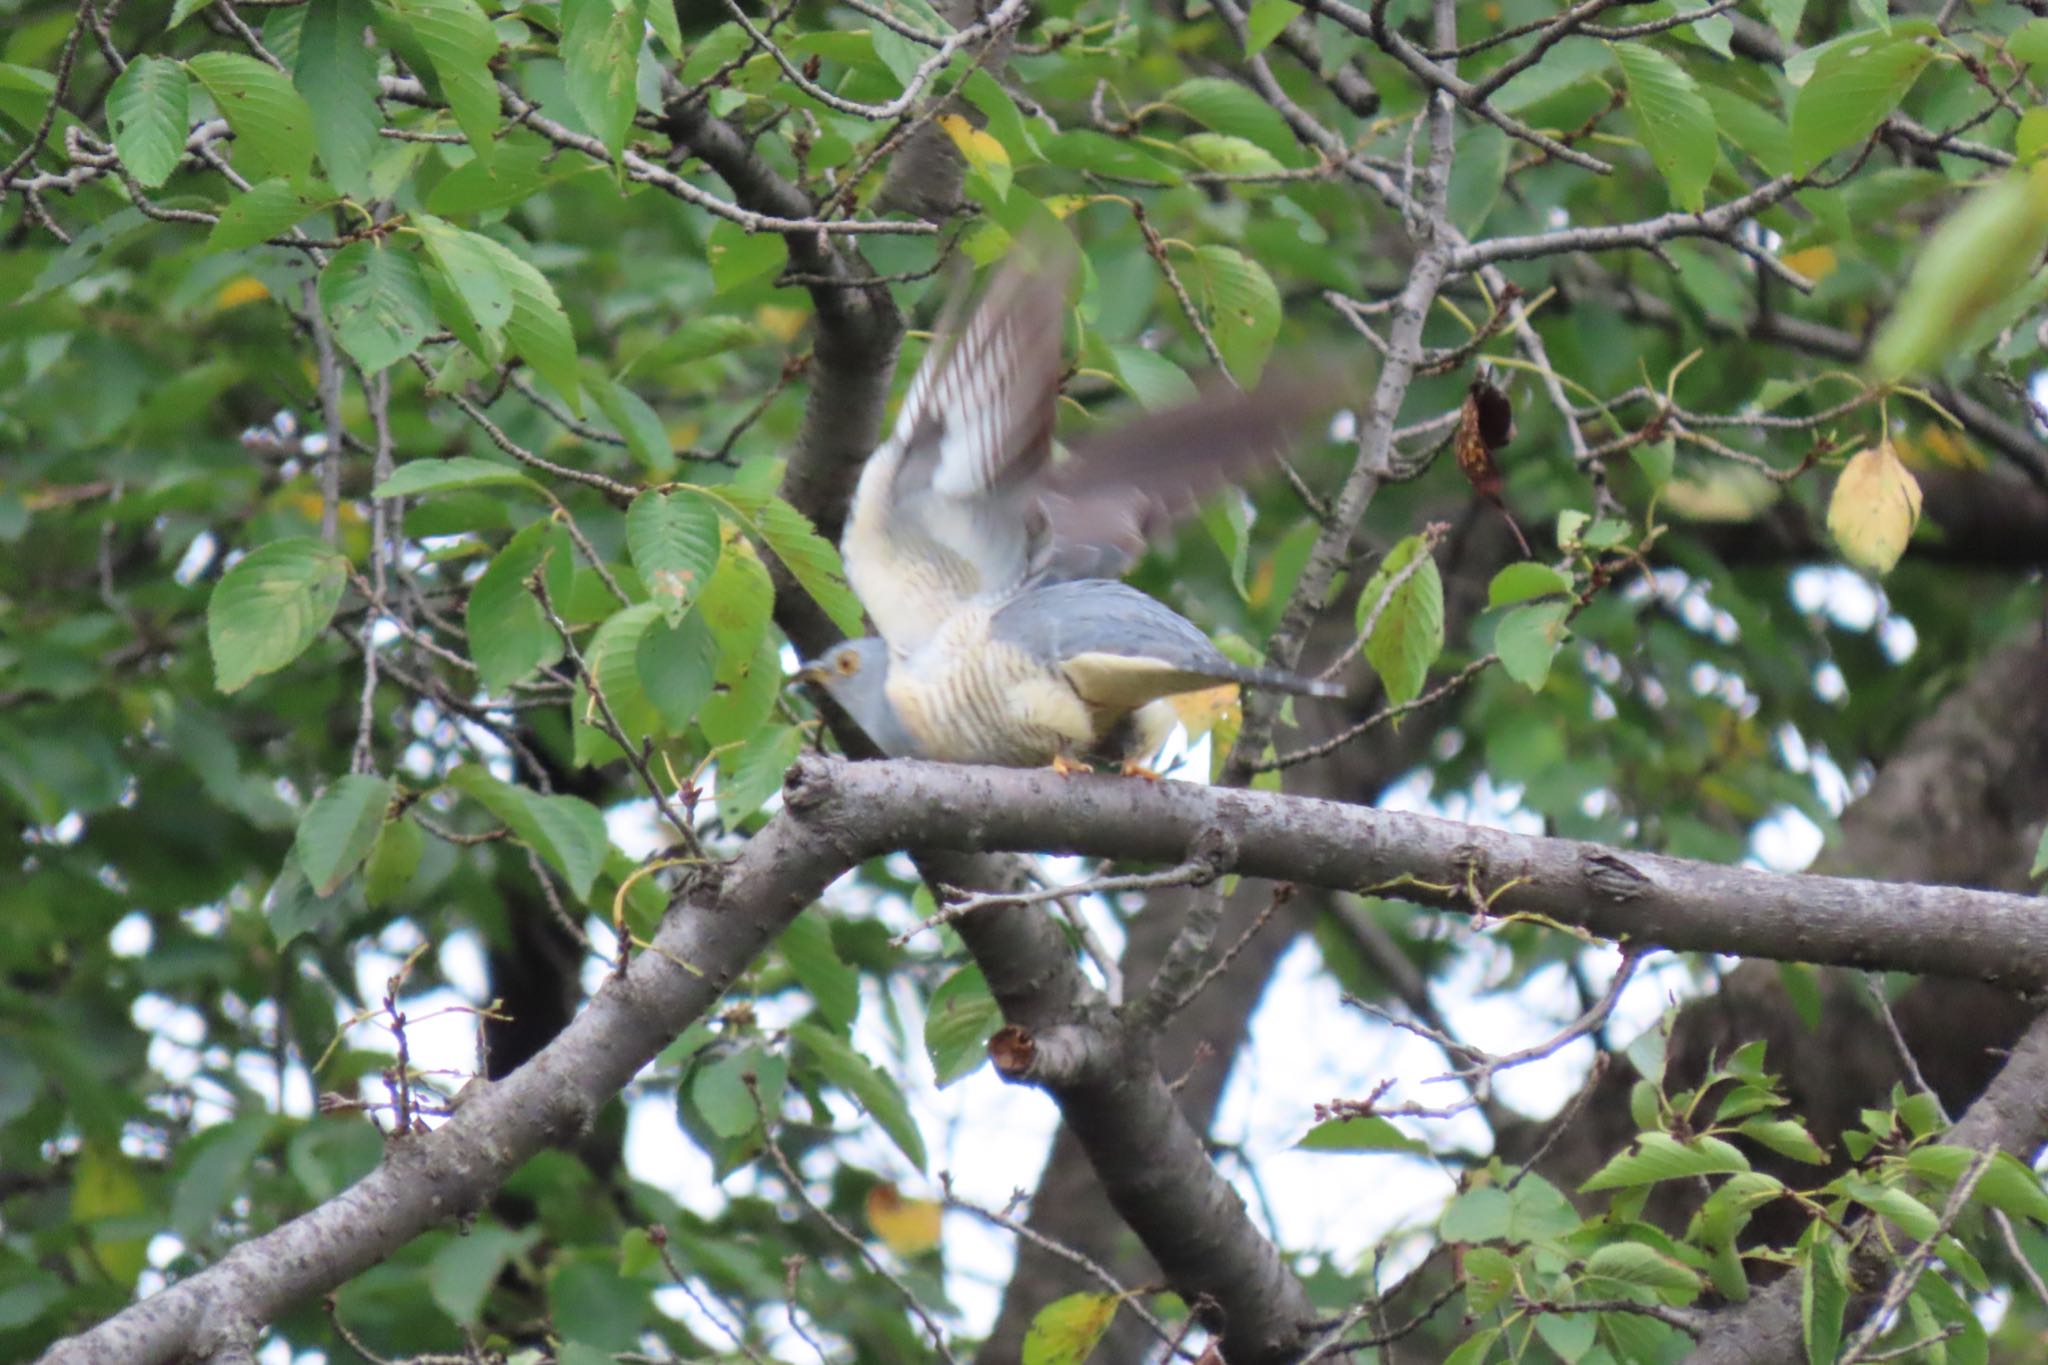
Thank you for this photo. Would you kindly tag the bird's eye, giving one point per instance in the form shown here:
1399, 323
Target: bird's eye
847, 662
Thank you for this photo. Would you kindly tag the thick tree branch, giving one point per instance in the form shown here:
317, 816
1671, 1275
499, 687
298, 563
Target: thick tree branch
840, 814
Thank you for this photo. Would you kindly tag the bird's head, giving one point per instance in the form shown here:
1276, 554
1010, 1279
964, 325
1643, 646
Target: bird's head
853, 673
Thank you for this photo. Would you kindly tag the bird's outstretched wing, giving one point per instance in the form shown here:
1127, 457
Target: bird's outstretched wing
1120, 648
964, 501
943, 513
1122, 487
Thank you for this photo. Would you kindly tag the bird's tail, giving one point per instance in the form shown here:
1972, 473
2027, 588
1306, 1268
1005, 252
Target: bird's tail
1280, 680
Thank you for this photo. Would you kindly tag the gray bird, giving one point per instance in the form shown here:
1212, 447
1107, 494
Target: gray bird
989, 568
1070, 671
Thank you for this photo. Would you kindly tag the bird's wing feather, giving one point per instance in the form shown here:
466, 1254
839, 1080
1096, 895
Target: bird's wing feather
1121, 488
944, 510
1120, 648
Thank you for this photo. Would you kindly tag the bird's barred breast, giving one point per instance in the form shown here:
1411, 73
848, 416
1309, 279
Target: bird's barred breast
969, 699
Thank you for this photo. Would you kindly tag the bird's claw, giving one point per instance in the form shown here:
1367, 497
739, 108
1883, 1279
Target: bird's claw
1133, 768
1067, 767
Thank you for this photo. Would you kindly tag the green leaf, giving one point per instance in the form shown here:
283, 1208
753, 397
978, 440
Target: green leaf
462, 1272
1241, 306
1659, 1156
746, 697
1489, 1279
1264, 22
1634, 1263
613, 655
273, 125
1084, 149
719, 1090
1478, 1215
538, 330
1360, 1133
678, 667
338, 76
214, 1166
592, 1304
674, 542
1524, 580
337, 830
958, 1022
1823, 1297
375, 298
566, 831
1227, 155
1474, 1349
1786, 1138
1973, 264
266, 210
468, 265
1749, 126
738, 256
185, 9
2029, 43
700, 337
510, 637
1855, 86
1156, 382
146, 111
1914, 1218
1066, 1331
2007, 1184
850, 1072
812, 560
393, 860
1676, 125
898, 53
1410, 632
477, 186
439, 476
637, 424
1784, 16
1225, 106
460, 43
270, 606
806, 945
736, 603
1571, 1335
1527, 640
748, 778
601, 51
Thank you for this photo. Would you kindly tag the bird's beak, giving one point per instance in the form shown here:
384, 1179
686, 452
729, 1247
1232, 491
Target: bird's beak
813, 673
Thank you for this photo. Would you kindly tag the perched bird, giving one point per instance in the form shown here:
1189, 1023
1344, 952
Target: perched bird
989, 568
1078, 670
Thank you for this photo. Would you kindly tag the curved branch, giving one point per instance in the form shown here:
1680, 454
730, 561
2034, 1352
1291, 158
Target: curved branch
839, 814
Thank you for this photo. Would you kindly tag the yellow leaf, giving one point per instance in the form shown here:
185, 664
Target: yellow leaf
780, 322
1720, 493
1938, 445
1874, 509
1200, 712
1815, 262
238, 291
1067, 1329
906, 1226
982, 151
104, 1186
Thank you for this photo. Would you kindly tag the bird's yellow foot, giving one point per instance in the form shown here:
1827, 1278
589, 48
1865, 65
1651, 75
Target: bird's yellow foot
1067, 767
1133, 768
